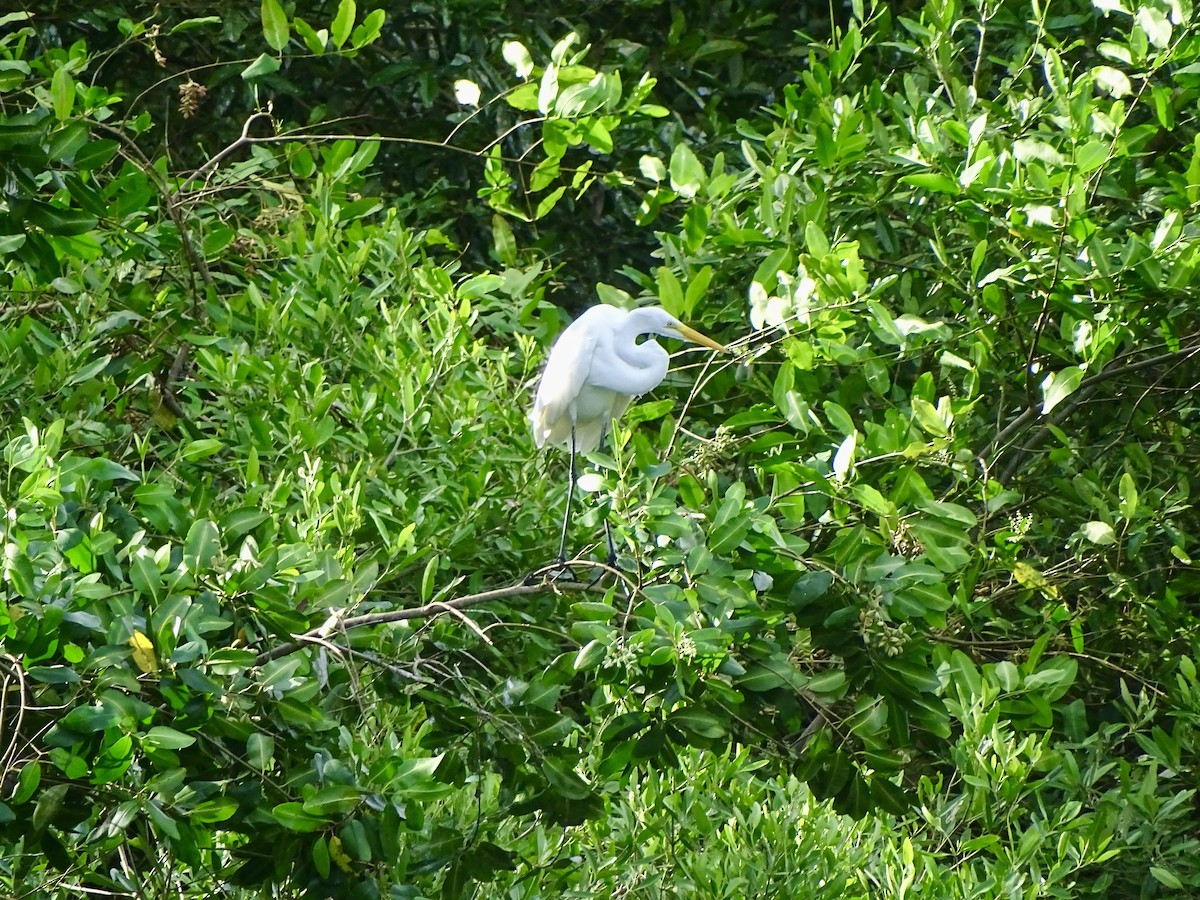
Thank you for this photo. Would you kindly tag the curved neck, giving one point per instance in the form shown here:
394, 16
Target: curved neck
648, 361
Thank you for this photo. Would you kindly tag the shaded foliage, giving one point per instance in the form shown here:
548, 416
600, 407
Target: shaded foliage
712, 65
275, 531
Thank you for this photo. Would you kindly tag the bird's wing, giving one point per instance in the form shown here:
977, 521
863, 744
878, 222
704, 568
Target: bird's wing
563, 379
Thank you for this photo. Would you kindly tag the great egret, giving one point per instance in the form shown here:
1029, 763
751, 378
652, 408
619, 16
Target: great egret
596, 367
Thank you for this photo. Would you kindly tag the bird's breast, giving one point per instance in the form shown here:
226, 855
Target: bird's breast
597, 403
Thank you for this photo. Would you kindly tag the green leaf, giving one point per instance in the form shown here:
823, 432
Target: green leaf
548, 202
563, 777
62, 93
482, 285
343, 22
730, 525
649, 411
264, 65
418, 767
199, 449
1058, 387
578, 100
198, 22
1059, 672
293, 817
59, 221
13, 74
315, 41
11, 243
88, 719
524, 98
1166, 878
546, 92
1129, 496
1007, 675
1030, 150
698, 722
670, 291
240, 521
503, 241
815, 240
162, 738
354, 840
144, 574
201, 545
428, 579
759, 678
95, 154
1100, 533
320, 854
1156, 25
933, 181
1091, 156
978, 255
87, 373
334, 800
929, 418
951, 512
274, 24
697, 289
687, 175
590, 655
652, 167
48, 805
107, 470
56, 674
597, 135
827, 682
27, 782
810, 587
67, 141
368, 32
217, 810
22, 134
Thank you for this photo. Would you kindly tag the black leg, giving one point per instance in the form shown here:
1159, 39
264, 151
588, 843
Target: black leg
562, 541
611, 559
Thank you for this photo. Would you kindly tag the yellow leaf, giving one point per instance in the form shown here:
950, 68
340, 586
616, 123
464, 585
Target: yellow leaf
143, 653
338, 855
1031, 578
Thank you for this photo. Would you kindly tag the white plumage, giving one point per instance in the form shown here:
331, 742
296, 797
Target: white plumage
596, 367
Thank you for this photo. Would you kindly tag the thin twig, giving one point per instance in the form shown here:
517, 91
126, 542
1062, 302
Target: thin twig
1107, 374
427, 611
242, 141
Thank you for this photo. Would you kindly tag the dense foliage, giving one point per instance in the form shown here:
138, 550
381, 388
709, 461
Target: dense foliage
905, 596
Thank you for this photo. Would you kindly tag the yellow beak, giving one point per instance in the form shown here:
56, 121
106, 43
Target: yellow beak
697, 338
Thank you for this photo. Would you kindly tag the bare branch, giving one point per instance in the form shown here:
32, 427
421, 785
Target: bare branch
428, 611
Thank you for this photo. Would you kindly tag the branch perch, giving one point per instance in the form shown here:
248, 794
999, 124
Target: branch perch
427, 611
1086, 389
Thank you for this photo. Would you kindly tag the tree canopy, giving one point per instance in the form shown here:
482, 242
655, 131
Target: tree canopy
905, 601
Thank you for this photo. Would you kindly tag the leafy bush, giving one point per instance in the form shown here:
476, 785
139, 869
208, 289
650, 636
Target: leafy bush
918, 552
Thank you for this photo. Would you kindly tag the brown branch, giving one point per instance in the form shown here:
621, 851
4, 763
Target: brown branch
242, 141
1086, 387
194, 257
429, 610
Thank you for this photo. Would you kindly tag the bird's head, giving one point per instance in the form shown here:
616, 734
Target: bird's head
656, 320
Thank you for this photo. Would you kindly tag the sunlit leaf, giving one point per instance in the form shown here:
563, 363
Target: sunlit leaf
143, 653
274, 24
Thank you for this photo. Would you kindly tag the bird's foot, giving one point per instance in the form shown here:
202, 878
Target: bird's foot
609, 567
560, 571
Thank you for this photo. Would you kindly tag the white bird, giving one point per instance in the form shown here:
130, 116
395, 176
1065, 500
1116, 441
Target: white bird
595, 369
